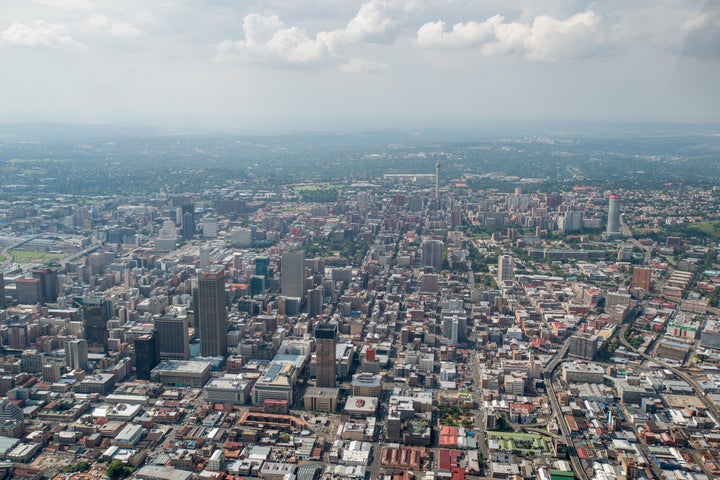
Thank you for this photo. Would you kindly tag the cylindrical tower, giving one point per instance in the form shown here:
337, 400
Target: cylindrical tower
613, 222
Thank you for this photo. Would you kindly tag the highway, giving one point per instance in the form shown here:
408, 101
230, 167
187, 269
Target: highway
23, 241
557, 412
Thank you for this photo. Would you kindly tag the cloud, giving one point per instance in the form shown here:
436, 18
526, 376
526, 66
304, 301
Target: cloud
544, 38
38, 34
362, 65
124, 30
268, 40
97, 21
702, 36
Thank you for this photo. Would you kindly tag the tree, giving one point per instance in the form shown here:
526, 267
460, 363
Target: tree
116, 470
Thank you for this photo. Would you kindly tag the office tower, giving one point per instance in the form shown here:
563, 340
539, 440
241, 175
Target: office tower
454, 329
28, 290
315, 301
173, 338
325, 340
96, 311
187, 220
76, 354
210, 227
262, 265
3, 298
583, 345
211, 312
641, 278
32, 361
51, 372
48, 284
17, 335
506, 271
147, 355
292, 274
432, 253
613, 222
203, 258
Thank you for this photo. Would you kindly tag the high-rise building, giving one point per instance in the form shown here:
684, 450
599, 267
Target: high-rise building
613, 222
48, 284
173, 339
3, 298
506, 271
325, 340
76, 354
18, 335
432, 253
262, 265
641, 278
32, 361
292, 274
315, 301
51, 372
210, 227
211, 312
583, 345
187, 220
28, 291
96, 311
147, 355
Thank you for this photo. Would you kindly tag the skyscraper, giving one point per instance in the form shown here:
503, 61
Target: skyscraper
147, 355
48, 284
76, 354
173, 339
292, 274
506, 271
432, 253
211, 312
96, 311
642, 278
325, 339
3, 298
187, 220
613, 222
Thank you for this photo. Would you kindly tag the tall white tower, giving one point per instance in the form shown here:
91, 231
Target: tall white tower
437, 185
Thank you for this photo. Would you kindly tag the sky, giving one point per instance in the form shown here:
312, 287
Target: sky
374, 64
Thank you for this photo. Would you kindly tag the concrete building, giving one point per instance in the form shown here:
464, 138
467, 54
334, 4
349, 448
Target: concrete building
182, 373
76, 354
211, 312
641, 278
583, 345
319, 399
613, 223
276, 383
506, 270
229, 388
27, 291
582, 372
432, 253
325, 339
292, 275
173, 338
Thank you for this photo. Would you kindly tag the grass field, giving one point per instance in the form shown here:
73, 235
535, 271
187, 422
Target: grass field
30, 256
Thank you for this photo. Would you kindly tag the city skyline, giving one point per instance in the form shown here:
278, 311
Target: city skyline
355, 65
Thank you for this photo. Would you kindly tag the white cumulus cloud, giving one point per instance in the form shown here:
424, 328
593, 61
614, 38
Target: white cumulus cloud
267, 39
38, 34
544, 38
363, 65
